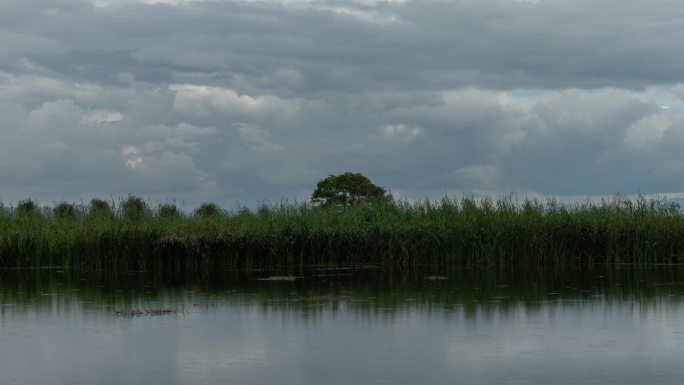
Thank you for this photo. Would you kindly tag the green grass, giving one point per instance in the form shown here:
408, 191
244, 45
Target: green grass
131, 236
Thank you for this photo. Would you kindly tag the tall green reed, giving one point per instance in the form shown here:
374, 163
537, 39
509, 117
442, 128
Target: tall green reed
400, 234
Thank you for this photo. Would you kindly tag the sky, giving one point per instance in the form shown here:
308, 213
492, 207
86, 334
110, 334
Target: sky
242, 102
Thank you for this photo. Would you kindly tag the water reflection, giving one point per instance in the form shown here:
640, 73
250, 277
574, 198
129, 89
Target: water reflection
484, 292
326, 325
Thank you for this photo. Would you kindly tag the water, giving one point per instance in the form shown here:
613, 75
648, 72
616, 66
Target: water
331, 326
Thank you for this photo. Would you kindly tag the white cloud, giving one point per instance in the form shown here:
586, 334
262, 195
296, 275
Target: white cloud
647, 131
206, 100
129, 150
101, 117
135, 162
401, 131
57, 112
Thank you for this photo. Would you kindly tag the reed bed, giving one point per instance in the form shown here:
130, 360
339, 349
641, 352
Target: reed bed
450, 232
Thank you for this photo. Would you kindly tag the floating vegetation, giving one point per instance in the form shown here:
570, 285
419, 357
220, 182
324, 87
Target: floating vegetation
147, 313
324, 298
435, 278
205, 305
132, 236
288, 278
346, 268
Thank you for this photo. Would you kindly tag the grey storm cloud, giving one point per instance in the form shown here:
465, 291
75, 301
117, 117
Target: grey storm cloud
256, 100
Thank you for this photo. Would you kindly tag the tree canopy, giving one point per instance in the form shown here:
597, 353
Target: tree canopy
346, 189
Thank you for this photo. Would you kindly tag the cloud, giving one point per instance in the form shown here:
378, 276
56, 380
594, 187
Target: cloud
101, 117
313, 46
400, 132
135, 162
204, 100
254, 100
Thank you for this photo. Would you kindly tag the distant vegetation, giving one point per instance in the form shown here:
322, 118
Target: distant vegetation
348, 189
133, 235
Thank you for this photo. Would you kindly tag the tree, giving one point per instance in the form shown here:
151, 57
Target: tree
27, 207
64, 210
208, 210
134, 208
168, 210
99, 207
346, 189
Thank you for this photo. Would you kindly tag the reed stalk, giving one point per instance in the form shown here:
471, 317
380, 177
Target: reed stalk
400, 234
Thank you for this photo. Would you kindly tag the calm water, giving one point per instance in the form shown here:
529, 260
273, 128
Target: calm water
332, 326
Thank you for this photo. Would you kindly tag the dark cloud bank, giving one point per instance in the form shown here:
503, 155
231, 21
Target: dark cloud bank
247, 101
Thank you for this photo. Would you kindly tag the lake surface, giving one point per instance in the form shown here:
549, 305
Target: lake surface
344, 326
